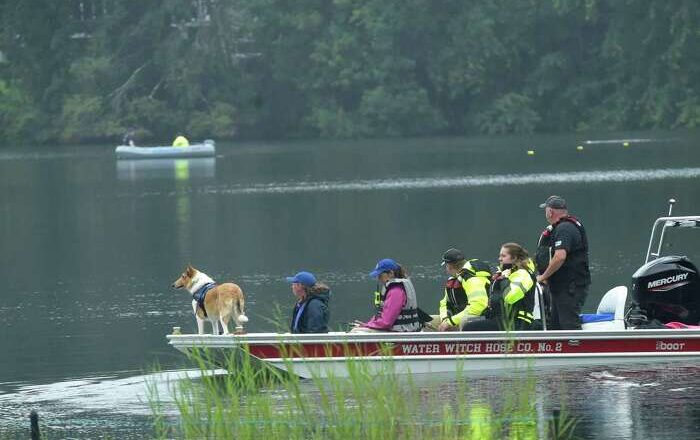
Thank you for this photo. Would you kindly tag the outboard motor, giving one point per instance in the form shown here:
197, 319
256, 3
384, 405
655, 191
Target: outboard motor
666, 289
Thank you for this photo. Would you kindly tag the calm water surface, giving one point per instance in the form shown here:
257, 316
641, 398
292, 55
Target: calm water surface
90, 247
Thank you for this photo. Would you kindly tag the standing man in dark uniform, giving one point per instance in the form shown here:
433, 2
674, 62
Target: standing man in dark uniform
562, 260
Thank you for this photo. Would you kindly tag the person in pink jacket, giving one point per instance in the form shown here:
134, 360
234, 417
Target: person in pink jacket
397, 309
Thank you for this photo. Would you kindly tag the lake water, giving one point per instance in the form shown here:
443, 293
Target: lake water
90, 247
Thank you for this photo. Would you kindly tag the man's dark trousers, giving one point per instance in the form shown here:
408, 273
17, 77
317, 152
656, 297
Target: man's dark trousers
567, 302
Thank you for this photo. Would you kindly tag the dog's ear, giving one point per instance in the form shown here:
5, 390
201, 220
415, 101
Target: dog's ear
189, 270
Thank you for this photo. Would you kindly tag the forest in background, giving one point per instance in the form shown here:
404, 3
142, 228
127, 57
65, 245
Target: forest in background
76, 71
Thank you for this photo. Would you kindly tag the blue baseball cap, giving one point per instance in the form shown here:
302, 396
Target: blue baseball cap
306, 278
384, 265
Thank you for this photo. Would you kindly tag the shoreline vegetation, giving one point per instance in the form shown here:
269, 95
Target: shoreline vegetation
86, 71
252, 403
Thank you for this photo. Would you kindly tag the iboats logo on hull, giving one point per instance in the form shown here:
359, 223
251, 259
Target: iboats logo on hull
668, 283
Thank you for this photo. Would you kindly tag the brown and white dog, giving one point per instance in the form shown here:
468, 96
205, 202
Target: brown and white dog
219, 304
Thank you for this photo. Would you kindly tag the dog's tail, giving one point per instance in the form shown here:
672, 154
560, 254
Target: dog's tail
240, 304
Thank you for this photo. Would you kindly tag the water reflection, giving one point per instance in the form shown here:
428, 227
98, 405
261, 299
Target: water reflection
179, 169
92, 246
590, 176
526, 403
109, 406
183, 206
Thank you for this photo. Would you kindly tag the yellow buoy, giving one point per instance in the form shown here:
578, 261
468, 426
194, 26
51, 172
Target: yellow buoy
579, 147
530, 152
625, 144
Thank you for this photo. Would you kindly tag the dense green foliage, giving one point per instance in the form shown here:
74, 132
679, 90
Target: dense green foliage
79, 71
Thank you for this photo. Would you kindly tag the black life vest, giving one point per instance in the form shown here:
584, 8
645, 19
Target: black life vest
520, 310
578, 258
456, 296
543, 252
457, 299
200, 294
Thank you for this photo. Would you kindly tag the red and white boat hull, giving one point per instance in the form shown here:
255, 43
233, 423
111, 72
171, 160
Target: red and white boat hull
322, 355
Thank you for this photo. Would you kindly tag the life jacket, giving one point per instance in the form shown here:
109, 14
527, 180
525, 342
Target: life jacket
457, 298
543, 253
545, 248
521, 309
378, 298
200, 294
408, 320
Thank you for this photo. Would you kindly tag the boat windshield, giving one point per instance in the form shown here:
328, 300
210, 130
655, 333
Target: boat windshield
663, 242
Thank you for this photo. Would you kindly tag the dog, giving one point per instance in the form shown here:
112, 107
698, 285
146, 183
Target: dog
216, 303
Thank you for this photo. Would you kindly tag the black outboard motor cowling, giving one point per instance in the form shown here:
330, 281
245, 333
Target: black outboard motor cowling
668, 289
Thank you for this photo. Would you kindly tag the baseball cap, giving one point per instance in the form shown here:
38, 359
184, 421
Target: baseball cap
555, 202
452, 255
384, 265
306, 278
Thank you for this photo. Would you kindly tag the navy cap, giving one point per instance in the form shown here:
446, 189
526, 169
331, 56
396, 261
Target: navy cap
306, 278
384, 265
555, 202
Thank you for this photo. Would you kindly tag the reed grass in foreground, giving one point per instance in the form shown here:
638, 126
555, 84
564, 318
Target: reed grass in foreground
372, 403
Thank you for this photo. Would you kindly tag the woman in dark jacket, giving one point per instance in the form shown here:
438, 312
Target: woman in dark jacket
310, 313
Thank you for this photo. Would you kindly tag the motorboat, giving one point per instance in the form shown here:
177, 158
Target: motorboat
660, 324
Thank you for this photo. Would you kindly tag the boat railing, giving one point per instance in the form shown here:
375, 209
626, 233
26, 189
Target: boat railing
688, 221
541, 304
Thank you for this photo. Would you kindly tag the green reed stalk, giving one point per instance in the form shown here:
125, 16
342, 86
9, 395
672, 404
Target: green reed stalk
254, 402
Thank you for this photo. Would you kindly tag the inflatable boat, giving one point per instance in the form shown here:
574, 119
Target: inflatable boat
204, 149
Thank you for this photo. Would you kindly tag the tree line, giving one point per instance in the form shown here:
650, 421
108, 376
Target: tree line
86, 71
